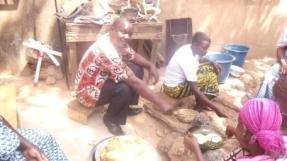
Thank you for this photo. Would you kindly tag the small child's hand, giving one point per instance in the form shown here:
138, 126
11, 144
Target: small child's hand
190, 141
229, 131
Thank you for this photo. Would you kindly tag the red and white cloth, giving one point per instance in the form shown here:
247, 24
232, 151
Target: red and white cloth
101, 61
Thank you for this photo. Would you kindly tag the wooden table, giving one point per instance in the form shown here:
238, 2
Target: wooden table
76, 33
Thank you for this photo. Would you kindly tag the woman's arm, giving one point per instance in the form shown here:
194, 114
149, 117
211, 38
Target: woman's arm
281, 60
191, 143
203, 99
30, 151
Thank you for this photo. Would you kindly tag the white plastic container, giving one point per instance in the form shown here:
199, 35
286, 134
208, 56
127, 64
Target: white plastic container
236, 71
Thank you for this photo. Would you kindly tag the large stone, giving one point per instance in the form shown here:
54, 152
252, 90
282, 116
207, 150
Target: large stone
185, 115
167, 141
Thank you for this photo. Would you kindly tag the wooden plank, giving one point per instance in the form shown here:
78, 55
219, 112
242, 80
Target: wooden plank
148, 24
153, 55
89, 32
148, 27
77, 33
149, 36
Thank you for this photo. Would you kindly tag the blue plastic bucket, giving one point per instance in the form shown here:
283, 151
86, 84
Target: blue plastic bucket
224, 60
239, 51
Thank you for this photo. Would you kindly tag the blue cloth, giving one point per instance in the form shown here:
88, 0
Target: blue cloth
9, 142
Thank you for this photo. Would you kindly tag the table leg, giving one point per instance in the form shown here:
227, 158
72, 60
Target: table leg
153, 55
72, 65
38, 68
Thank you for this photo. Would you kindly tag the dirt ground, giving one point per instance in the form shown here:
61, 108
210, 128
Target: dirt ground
45, 106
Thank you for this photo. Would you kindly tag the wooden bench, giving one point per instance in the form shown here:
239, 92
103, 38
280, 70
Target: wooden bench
80, 113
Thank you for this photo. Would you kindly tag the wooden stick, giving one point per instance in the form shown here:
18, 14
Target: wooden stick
129, 3
54, 60
144, 5
38, 46
157, 4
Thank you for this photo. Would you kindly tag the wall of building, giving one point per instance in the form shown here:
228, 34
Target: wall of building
257, 23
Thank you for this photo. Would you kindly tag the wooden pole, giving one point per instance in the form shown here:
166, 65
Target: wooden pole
144, 5
157, 4
37, 73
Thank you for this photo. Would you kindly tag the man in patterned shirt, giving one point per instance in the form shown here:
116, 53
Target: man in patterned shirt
111, 72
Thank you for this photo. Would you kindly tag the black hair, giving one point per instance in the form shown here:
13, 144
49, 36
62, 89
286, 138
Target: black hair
198, 37
118, 23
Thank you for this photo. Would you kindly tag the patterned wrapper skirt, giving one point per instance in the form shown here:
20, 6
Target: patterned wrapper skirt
207, 82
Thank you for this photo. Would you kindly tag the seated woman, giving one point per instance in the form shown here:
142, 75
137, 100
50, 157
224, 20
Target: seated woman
280, 68
258, 132
280, 96
27, 145
189, 73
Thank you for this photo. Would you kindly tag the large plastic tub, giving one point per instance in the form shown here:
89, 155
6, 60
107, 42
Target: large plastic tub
224, 60
239, 51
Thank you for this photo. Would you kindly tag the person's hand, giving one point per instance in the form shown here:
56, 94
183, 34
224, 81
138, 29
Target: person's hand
230, 130
153, 73
218, 110
284, 69
190, 142
217, 67
220, 113
166, 108
32, 153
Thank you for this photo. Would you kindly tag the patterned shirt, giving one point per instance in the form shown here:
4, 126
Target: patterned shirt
101, 61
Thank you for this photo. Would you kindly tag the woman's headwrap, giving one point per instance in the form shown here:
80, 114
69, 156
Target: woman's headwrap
262, 117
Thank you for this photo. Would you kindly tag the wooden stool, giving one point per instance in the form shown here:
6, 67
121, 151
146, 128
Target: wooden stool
80, 113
